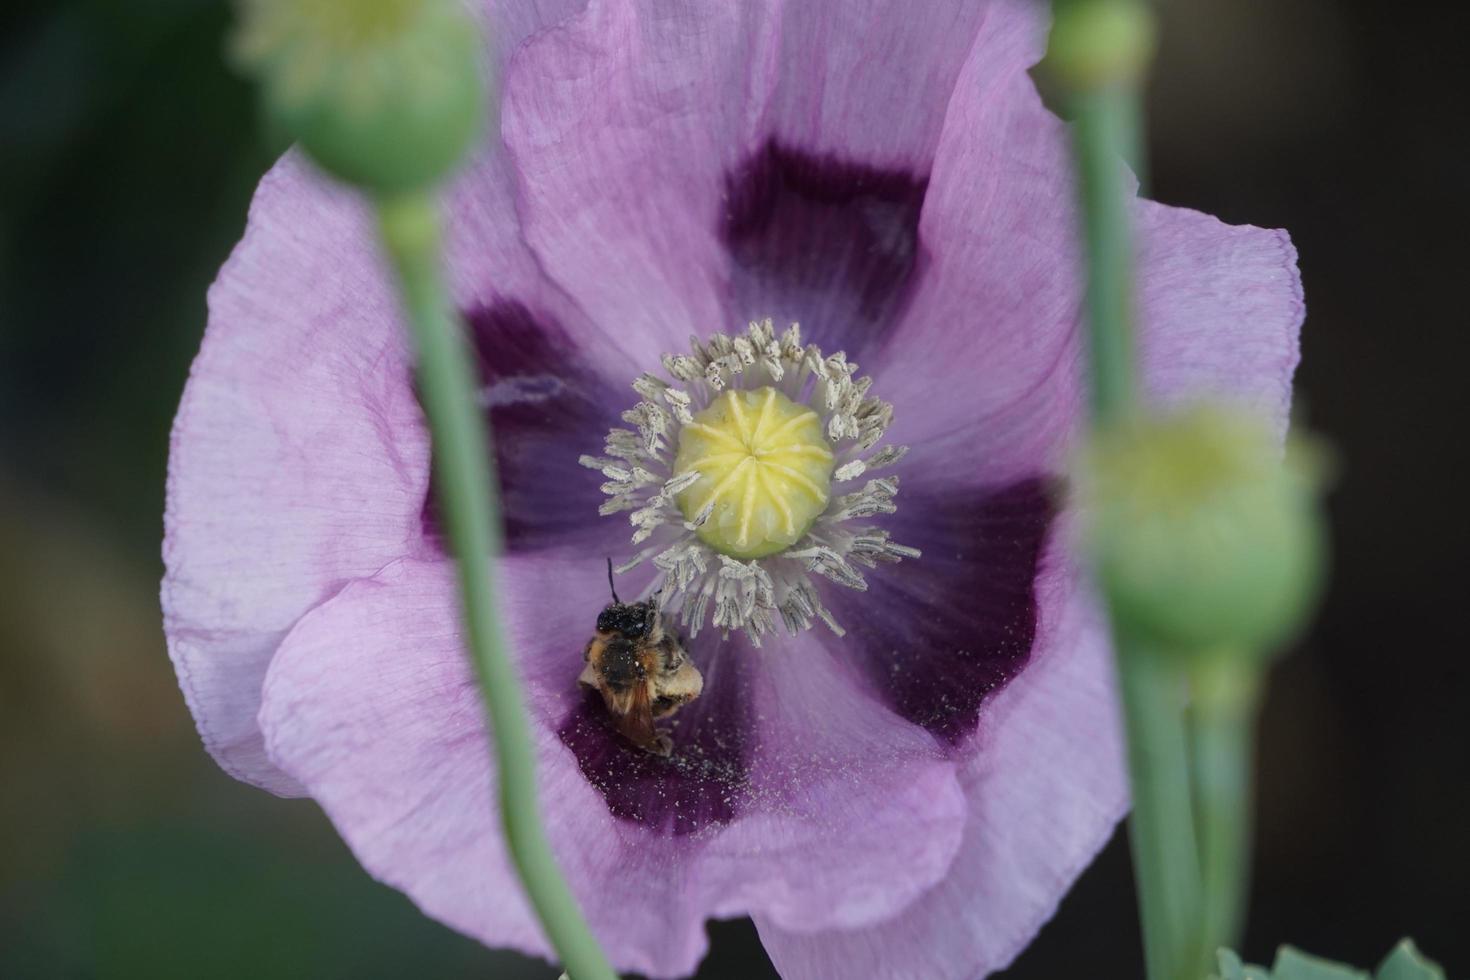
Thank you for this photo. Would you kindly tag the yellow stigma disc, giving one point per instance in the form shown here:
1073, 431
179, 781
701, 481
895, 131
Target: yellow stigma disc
765, 472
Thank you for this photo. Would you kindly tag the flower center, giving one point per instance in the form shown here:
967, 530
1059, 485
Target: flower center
741, 476
765, 472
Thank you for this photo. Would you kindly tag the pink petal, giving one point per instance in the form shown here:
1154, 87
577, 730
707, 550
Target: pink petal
370, 704
939, 637
1045, 792
869, 80
547, 401
508, 23
299, 460
1221, 310
983, 370
628, 124
995, 326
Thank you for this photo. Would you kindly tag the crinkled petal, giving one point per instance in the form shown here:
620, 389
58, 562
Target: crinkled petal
688, 166
620, 125
1221, 310
1045, 791
869, 80
298, 457
982, 372
509, 22
846, 815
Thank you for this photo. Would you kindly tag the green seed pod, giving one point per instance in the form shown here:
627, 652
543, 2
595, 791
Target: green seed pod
1202, 537
384, 94
1096, 43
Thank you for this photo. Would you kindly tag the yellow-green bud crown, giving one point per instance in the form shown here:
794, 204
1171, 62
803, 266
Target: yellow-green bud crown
385, 94
1203, 538
765, 472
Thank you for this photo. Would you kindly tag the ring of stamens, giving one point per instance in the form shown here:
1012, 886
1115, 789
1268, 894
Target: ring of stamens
729, 472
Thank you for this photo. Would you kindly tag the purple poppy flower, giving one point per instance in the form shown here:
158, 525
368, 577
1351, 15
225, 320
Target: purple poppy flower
896, 767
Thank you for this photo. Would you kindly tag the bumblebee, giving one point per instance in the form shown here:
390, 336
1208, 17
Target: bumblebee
640, 669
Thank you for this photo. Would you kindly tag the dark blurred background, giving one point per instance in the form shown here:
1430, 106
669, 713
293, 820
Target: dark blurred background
128, 153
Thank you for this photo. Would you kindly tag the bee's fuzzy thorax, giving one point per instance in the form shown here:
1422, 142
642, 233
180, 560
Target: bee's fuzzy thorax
634, 619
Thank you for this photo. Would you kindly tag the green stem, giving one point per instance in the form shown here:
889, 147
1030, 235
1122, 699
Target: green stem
1105, 133
1131, 140
1161, 830
410, 231
1225, 695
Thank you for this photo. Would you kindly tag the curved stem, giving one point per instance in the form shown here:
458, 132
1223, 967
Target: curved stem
410, 231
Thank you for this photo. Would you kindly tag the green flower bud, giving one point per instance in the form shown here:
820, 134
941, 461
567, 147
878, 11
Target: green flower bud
1202, 537
384, 94
1096, 43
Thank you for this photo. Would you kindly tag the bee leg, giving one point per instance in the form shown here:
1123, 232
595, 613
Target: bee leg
671, 652
661, 745
588, 679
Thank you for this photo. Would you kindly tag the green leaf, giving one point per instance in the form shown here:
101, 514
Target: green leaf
1230, 966
1407, 963
1293, 964
1233, 968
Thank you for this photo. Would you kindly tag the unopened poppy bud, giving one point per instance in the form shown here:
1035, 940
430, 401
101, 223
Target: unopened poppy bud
1095, 43
385, 94
1203, 538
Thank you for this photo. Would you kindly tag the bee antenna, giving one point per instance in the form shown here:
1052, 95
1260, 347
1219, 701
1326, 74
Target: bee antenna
610, 587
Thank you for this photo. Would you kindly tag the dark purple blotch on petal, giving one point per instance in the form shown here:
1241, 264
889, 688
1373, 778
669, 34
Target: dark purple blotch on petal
829, 242
939, 635
705, 780
546, 406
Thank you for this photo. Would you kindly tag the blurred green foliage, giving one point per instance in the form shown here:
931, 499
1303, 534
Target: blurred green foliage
130, 155
1404, 962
